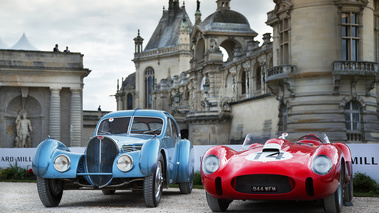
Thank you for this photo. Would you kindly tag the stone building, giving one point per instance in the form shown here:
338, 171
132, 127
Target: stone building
47, 86
317, 73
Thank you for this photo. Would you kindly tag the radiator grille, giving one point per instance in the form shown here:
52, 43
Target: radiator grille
263, 184
100, 155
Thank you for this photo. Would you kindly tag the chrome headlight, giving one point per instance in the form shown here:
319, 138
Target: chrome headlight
62, 163
125, 163
210, 164
321, 164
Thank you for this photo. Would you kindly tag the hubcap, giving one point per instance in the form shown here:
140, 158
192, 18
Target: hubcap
158, 180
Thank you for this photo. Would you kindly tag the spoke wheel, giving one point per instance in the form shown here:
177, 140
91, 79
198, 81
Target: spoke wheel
153, 186
217, 205
333, 203
50, 191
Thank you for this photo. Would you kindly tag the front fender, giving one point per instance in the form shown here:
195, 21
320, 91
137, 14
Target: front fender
44, 155
149, 157
186, 162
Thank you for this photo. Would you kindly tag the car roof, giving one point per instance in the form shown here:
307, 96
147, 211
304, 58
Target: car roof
136, 112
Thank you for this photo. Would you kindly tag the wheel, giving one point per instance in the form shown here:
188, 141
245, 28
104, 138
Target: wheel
153, 186
50, 191
333, 203
348, 190
217, 205
108, 192
186, 188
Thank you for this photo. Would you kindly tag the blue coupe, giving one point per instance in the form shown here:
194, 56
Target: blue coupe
139, 150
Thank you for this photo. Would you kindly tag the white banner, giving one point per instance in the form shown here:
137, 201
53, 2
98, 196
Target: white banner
365, 157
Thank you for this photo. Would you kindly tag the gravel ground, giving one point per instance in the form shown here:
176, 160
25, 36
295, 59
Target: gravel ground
23, 197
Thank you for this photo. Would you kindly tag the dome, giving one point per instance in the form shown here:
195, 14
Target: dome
226, 21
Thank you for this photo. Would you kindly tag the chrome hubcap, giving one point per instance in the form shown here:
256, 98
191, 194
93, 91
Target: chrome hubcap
158, 180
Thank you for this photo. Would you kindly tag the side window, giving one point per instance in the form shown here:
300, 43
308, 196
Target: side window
169, 129
175, 132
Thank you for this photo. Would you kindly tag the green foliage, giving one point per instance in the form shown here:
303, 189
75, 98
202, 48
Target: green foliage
197, 179
14, 172
364, 183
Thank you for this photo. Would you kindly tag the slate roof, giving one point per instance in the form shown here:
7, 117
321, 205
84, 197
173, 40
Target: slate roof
226, 21
166, 33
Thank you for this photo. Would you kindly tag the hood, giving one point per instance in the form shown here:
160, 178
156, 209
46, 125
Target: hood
128, 142
275, 152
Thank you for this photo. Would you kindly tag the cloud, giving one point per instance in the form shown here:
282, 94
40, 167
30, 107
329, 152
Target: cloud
103, 31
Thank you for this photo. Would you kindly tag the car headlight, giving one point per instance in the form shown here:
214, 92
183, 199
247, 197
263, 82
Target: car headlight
321, 164
125, 163
210, 164
62, 163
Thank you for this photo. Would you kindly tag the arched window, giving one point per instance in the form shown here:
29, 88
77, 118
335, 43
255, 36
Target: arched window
258, 77
149, 86
353, 116
243, 83
129, 101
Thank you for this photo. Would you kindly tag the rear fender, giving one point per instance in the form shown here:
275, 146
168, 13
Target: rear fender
149, 157
186, 162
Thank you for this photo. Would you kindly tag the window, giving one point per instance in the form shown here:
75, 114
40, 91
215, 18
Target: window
284, 27
258, 81
130, 101
243, 83
149, 86
114, 126
350, 36
353, 116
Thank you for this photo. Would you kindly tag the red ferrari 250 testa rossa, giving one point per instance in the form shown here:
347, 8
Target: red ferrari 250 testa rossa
308, 169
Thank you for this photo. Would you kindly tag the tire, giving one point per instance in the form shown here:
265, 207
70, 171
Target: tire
153, 185
217, 205
333, 203
108, 192
186, 188
50, 191
348, 190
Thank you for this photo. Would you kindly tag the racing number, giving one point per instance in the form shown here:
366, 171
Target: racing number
276, 155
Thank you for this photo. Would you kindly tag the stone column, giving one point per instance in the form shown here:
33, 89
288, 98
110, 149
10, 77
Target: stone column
55, 114
76, 118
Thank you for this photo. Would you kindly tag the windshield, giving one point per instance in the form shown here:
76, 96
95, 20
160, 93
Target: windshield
114, 126
147, 125
252, 138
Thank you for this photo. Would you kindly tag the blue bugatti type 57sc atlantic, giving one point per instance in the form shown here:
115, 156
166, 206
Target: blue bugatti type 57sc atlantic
134, 150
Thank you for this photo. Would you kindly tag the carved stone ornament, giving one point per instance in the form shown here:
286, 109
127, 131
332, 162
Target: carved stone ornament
233, 70
246, 66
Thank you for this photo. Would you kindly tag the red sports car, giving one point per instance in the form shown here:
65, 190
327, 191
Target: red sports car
308, 169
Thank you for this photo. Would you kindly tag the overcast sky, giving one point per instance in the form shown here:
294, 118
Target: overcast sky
103, 31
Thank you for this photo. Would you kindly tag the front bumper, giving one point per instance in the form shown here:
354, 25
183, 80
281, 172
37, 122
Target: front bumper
276, 184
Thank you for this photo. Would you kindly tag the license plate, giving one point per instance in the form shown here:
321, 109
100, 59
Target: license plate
264, 188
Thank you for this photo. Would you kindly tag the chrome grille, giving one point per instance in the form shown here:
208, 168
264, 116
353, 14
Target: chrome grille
100, 154
131, 148
247, 183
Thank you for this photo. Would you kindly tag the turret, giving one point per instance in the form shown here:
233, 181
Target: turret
138, 43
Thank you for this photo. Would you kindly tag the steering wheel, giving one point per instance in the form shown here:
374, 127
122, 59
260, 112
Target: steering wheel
309, 137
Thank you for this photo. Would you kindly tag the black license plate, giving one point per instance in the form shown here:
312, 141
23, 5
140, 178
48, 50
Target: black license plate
264, 189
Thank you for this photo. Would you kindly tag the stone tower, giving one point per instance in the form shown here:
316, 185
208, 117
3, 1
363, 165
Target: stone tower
325, 67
